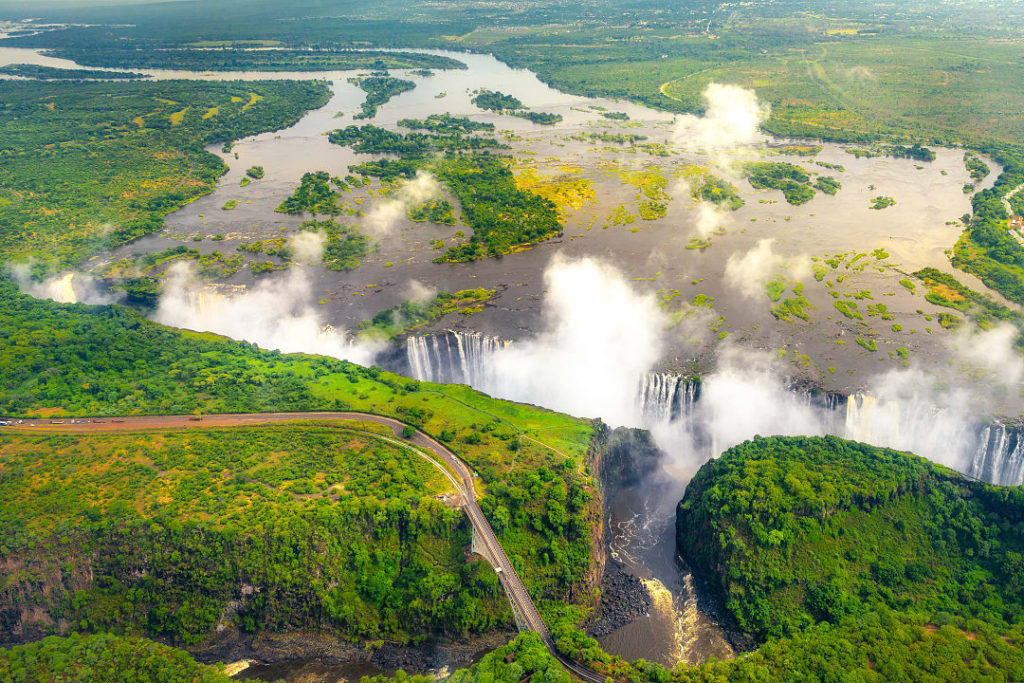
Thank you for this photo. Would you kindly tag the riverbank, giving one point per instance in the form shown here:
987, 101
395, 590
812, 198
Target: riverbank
321, 656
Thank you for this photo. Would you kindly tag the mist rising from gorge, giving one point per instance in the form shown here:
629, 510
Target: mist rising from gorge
276, 313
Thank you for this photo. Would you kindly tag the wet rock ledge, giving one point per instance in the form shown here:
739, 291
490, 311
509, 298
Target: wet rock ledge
624, 598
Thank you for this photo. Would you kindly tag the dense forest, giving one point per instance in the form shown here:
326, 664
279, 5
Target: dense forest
446, 124
182, 533
379, 89
491, 100
503, 217
313, 195
227, 59
73, 359
792, 180
986, 248
370, 139
49, 73
103, 658
800, 531
77, 174
892, 529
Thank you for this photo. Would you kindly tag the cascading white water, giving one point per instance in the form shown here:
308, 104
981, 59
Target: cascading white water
659, 396
998, 455
452, 357
671, 405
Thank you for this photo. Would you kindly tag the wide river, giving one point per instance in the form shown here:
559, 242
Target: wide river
652, 255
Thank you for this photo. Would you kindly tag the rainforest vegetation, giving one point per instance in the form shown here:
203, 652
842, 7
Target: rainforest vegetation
986, 248
946, 290
103, 658
501, 103
434, 211
713, 189
792, 180
344, 246
446, 124
313, 195
370, 139
889, 529
502, 216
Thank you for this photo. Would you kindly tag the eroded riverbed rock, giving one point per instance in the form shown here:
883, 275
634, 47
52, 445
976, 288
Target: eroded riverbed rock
623, 599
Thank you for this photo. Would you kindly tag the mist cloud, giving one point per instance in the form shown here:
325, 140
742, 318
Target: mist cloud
710, 219
419, 292
385, 214
993, 353
276, 313
599, 338
749, 271
67, 288
307, 247
732, 118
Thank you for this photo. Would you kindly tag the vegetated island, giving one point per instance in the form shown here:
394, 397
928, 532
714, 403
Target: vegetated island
50, 73
379, 88
230, 59
492, 100
504, 218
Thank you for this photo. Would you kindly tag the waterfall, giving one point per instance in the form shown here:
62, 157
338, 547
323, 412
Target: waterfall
452, 357
992, 452
998, 455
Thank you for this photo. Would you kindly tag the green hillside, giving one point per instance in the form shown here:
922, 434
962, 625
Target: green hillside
103, 658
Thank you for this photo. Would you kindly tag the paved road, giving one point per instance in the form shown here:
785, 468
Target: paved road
453, 467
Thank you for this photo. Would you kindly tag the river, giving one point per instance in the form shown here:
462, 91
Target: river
652, 254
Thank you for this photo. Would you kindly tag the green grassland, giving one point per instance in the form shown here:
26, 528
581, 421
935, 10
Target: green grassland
90, 165
330, 529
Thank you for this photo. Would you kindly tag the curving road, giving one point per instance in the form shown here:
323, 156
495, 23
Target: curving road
451, 465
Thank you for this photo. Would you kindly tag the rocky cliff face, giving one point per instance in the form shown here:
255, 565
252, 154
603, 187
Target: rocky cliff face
626, 456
